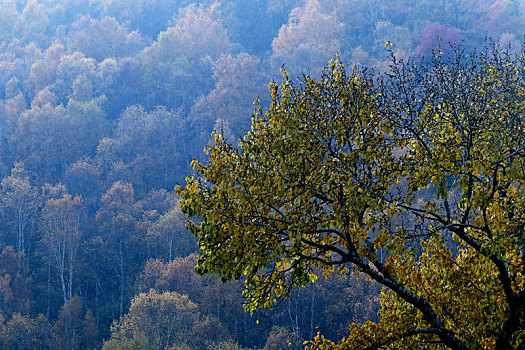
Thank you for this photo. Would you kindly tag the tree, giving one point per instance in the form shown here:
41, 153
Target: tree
83, 178
177, 67
48, 137
74, 328
19, 205
62, 237
219, 304
414, 178
103, 38
43, 71
23, 332
434, 34
309, 39
88, 122
147, 149
15, 285
8, 15
239, 81
168, 237
70, 68
143, 141
280, 338
117, 219
162, 319
32, 23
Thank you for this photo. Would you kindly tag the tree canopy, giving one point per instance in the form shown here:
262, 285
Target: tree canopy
414, 178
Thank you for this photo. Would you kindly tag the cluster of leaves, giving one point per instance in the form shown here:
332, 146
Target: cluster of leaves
414, 178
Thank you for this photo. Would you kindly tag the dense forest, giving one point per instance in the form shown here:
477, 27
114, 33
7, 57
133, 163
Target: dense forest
103, 106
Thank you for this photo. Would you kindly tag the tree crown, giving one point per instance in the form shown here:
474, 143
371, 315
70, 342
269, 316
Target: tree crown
413, 177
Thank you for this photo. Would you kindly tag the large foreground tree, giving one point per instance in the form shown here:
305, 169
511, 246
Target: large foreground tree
415, 178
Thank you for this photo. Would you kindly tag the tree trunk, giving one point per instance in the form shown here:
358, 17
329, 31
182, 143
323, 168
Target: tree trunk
122, 280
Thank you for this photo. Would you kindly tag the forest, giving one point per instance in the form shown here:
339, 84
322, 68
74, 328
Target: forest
104, 104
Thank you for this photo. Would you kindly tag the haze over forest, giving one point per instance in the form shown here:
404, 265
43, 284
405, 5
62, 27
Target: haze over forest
103, 106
